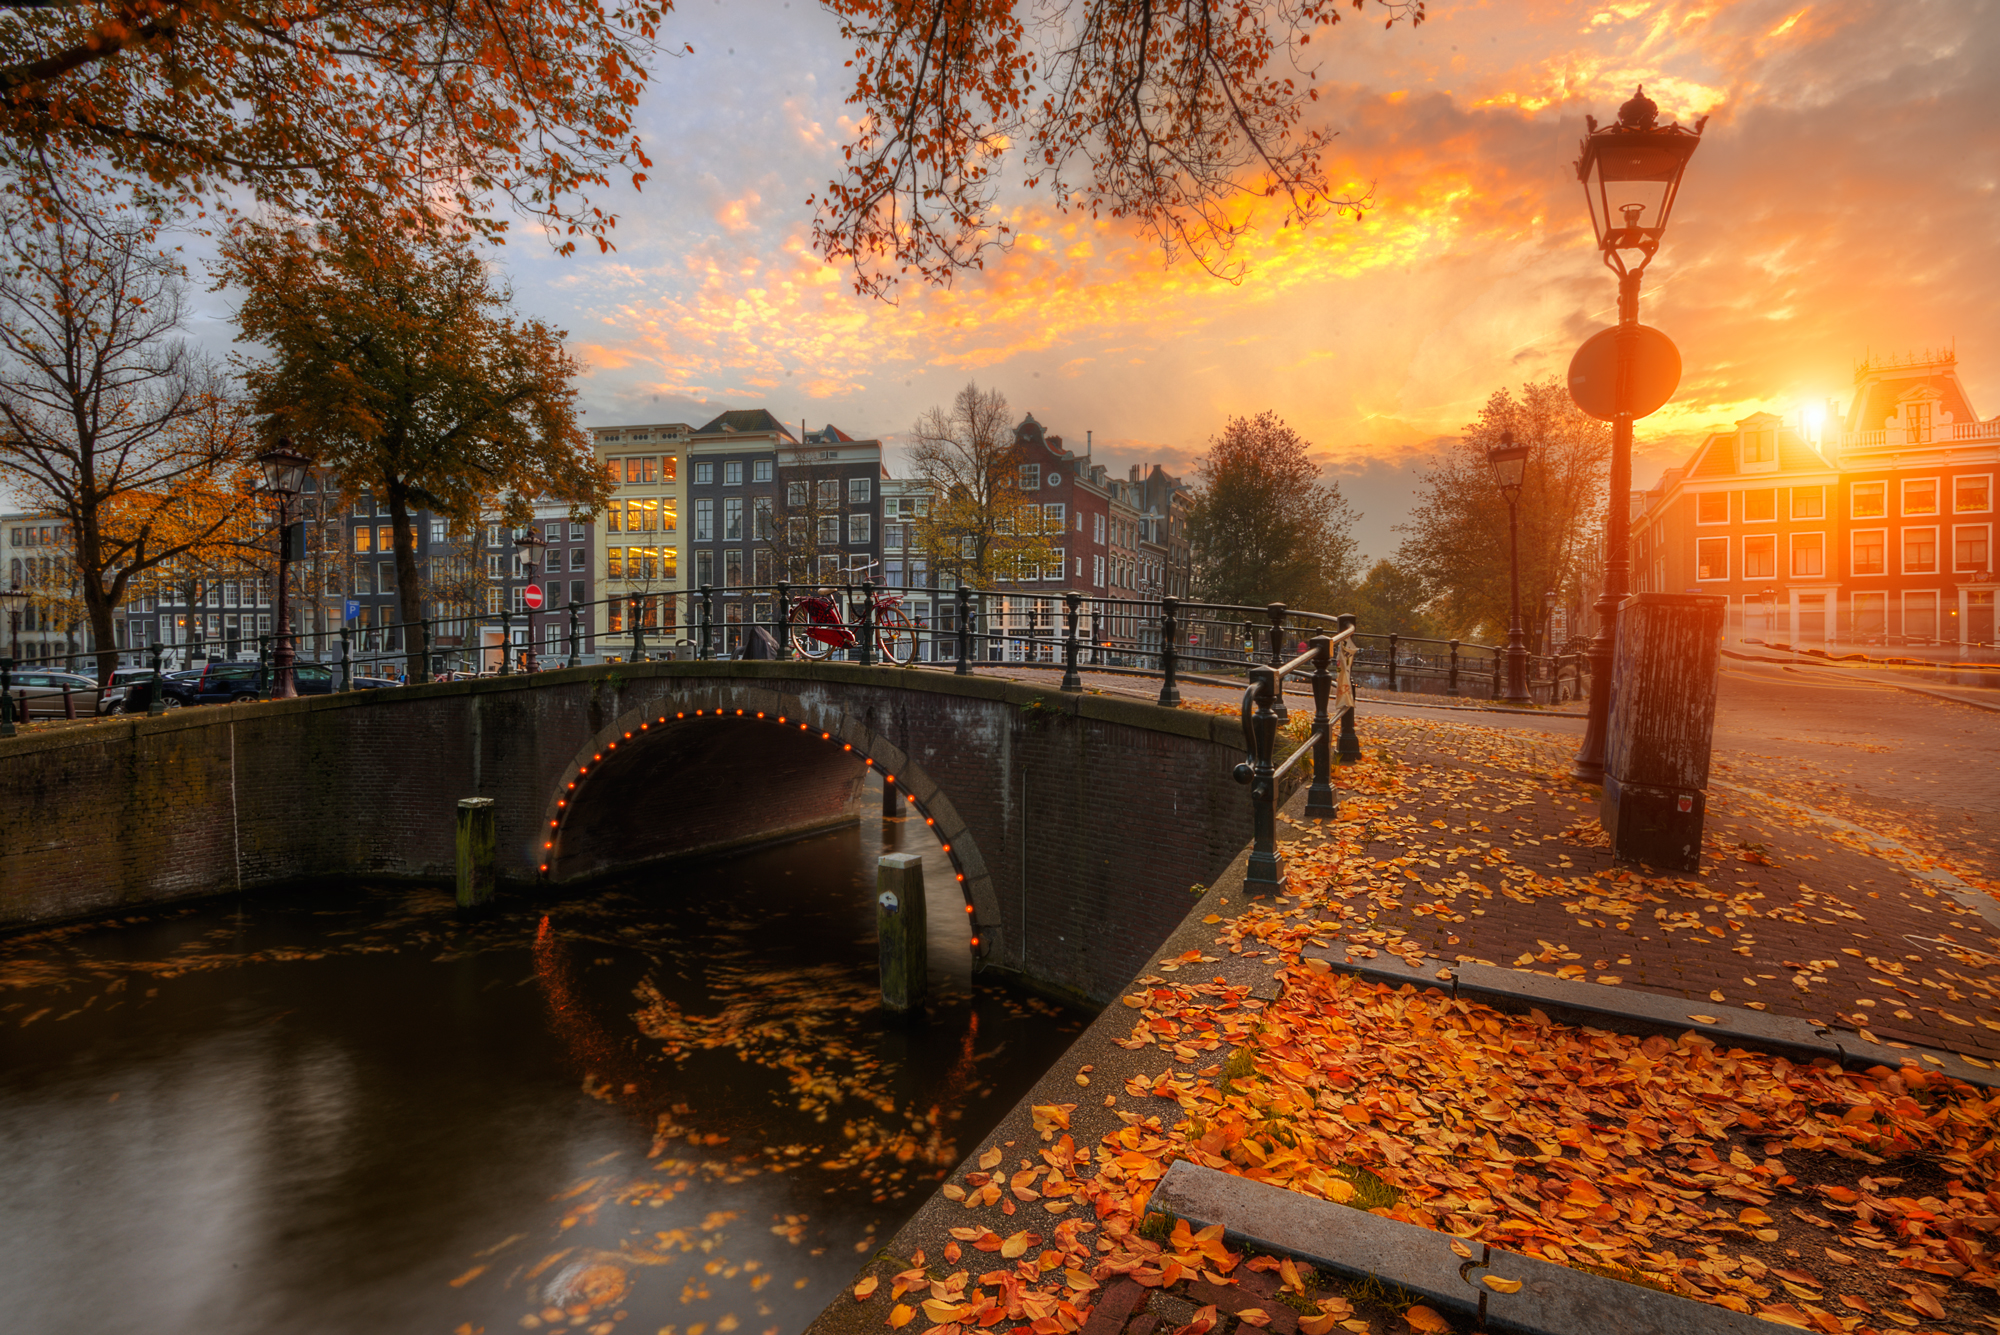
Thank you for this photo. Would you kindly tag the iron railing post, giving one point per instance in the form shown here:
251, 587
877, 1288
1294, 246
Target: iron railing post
1276, 611
506, 641
964, 667
1392, 660
575, 638
156, 704
1453, 688
1071, 681
263, 667
707, 649
7, 695
1319, 798
632, 603
784, 621
1170, 633
424, 648
1350, 744
1260, 730
866, 622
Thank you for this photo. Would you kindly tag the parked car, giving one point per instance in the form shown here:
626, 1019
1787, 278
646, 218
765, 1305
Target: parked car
122, 680
41, 689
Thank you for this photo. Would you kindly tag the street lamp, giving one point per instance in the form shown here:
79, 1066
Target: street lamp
13, 598
284, 477
534, 548
1631, 174
1509, 462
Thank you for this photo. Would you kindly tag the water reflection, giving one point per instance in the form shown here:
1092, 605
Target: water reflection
669, 1104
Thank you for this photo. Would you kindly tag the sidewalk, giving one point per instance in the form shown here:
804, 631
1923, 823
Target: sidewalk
1792, 1191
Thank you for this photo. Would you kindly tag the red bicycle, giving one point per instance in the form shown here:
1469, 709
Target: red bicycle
819, 626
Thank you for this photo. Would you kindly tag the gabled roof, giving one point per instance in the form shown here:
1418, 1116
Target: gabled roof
827, 435
746, 421
1716, 456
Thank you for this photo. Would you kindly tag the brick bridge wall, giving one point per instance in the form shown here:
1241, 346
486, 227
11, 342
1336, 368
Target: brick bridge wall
1077, 822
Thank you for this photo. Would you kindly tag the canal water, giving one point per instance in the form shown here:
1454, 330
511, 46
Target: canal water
669, 1104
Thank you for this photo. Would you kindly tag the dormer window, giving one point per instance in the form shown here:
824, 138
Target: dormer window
1760, 447
1917, 422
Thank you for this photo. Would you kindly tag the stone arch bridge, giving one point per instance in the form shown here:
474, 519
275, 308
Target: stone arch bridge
1075, 823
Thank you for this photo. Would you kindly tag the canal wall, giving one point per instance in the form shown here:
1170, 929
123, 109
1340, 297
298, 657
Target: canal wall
1077, 823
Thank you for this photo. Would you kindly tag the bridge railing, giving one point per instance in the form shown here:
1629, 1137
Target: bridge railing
1332, 661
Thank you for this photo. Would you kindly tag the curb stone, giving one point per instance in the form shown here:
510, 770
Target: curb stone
1623, 1010
1552, 1299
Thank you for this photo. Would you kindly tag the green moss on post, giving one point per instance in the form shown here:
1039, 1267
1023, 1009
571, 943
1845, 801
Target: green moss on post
901, 930
477, 841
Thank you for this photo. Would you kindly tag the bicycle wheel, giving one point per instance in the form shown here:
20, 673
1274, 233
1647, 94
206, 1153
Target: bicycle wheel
895, 637
804, 643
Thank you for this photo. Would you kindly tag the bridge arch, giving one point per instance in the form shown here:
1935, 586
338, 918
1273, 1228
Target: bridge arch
808, 753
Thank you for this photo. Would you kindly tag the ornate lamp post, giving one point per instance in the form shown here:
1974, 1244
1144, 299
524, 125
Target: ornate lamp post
1631, 175
534, 548
1509, 462
12, 598
284, 476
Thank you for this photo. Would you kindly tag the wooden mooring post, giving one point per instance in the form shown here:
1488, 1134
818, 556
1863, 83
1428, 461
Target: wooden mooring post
477, 841
900, 929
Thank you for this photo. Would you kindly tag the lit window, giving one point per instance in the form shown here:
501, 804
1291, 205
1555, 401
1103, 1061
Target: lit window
364, 539
1868, 500
1971, 495
1920, 496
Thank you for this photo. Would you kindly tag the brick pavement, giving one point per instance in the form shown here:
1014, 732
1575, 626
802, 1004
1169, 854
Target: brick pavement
1469, 842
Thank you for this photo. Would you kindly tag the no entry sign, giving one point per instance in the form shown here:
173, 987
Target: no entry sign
1655, 373
532, 597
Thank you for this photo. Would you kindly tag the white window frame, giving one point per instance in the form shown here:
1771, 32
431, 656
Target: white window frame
1854, 569
1987, 478
732, 472
859, 528
860, 490
1903, 548
1793, 551
1792, 502
1987, 564
760, 470
704, 473
1744, 557
1030, 477
1771, 518
1853, 495
1700, 496
1903, 499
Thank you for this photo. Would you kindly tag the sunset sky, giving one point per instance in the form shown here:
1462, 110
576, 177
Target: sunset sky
1844, 200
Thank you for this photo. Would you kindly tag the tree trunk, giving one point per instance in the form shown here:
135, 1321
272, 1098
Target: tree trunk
409, 594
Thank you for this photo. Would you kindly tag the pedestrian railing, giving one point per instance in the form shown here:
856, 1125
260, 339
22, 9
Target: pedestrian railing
1332, 659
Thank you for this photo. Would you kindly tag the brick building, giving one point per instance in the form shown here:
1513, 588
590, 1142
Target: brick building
1882, 534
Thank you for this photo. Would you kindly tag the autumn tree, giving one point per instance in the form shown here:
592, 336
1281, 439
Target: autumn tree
394, 358
982, 527
1170, 114
1265, 526
111, 422
412, 109
1455, 539
1391, 600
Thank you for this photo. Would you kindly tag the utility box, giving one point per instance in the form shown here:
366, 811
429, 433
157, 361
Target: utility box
1661, 726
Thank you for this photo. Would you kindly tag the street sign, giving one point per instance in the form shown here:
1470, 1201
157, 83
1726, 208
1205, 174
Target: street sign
1593, 372
531, 597
353, 609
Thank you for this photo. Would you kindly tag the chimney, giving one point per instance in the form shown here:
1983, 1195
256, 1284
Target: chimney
1055, 443
1135, 474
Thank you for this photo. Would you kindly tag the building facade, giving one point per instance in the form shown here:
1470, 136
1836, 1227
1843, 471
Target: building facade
636, 559
48, 625
1880, 536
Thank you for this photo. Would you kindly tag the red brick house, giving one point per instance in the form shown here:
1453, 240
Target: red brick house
1880, 535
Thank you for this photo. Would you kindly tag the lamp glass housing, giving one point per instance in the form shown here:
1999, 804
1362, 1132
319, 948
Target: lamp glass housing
284, 469
1631, 177
1509, 463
